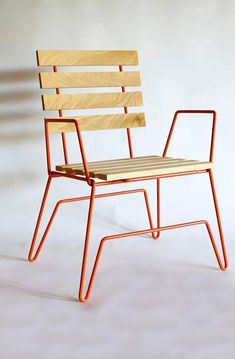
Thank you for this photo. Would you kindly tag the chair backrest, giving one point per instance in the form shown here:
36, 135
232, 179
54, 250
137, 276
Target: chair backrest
59, 80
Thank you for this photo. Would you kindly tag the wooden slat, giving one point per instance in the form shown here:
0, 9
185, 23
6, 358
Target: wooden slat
108, 162
86, 57
140, 166
99, 122
161, 170
135, 167
91, 100
126, 167
111, 164
132, 163
89, 79
96, 171
96, 168
132, 167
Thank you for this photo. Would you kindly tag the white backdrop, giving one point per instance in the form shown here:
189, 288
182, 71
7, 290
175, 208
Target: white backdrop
166, 300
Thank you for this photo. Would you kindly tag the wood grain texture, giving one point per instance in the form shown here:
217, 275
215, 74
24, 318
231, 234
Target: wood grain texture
92, 100
148, 161
86, 57
107, 163
99, 122
136, 167
154, 171
89, 79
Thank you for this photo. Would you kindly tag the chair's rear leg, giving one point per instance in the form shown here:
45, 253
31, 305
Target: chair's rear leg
31, 257
86, 246
218, 219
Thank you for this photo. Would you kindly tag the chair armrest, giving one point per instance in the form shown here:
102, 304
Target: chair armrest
80, 141
193, 111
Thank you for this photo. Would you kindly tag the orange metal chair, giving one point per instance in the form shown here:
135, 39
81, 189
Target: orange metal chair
109, 172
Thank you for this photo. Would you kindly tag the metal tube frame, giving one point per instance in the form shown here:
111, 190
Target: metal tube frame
154, 231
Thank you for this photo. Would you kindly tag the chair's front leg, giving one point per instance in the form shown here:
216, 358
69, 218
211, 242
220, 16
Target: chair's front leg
32, 257
157, 235
86, 245
218, 221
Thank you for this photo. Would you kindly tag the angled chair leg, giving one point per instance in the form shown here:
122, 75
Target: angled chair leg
32, 257
84, 298
221, 234
155, 235
86, 245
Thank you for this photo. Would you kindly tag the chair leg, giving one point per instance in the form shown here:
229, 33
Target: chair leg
86, 246
32, 257
157, 234
84, 298
222, 267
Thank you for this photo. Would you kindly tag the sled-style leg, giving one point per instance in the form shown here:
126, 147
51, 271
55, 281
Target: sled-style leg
32, 258
141, 232
218, 221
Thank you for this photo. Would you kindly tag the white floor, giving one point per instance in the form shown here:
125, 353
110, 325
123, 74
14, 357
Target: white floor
151, 299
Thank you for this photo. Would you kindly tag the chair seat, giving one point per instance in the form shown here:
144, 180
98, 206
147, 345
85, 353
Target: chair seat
135, 167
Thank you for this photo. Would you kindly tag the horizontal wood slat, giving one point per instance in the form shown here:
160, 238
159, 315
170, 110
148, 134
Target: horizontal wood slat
99, 122
122, 165
89, 79
107, 163
86, 57
155, 171
91, 100
136, 167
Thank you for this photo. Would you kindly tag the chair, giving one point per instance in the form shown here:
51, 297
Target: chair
110, 172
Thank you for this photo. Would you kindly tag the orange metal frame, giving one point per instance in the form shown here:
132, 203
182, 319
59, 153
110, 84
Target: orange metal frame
154, 231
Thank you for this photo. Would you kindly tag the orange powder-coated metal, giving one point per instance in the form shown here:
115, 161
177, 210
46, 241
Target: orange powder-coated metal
62, 134
154, 231
128, 129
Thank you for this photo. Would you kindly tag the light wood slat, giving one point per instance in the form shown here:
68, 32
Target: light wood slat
143, 165
131, 163
121, 166
92, 100
148, 164
89, 79
86, 57
108, 162
135, 167
99, 122
95, 172
154, 171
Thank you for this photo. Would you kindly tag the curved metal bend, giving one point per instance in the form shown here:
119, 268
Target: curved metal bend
193, 111
80, 141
